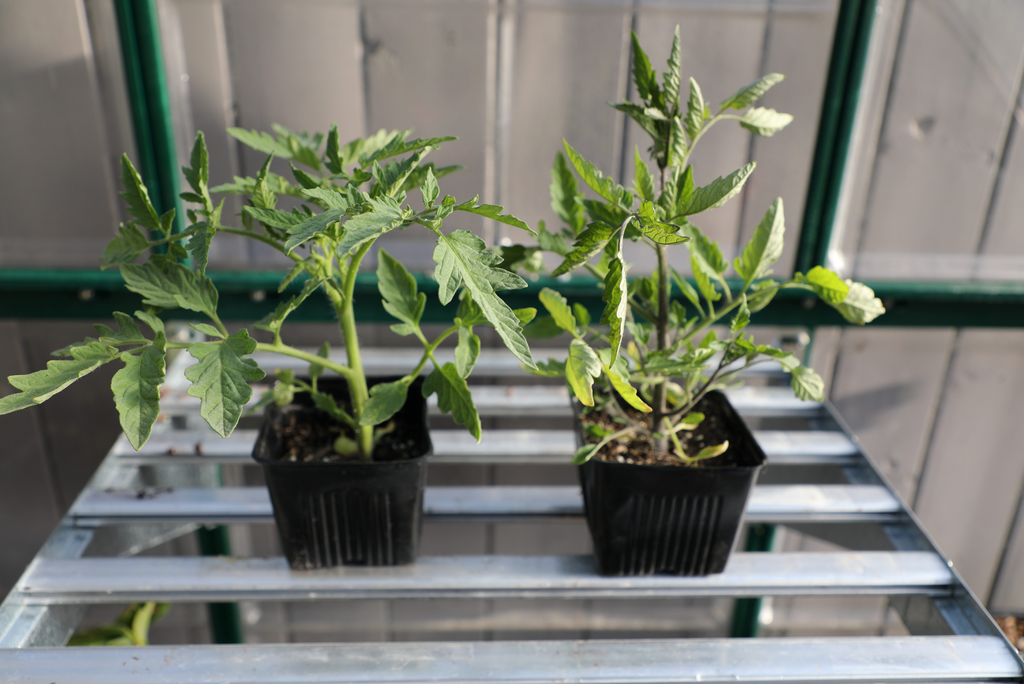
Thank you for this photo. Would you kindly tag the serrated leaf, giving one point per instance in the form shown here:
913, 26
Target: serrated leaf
273, 321
637, 113
363, 228
306, 181
718, 192
741, 319
674, 75
765, 247
701, 275
128, 246
220, 379
151, 320
39, 386
643, 75
807, 384
171, 286
453, 397
747, 95
581, 368
332, 155
127, 331
136, 196
643, 181
263, 196
677, 143
467, 351
275, 218
332, 199
136, 389
559, 309
616, 298
542, 328
493, 212
694, 110
604, 186
662, 233
198, 175
207, 330
398, 287
386, 399
589, 244
687, 290
462, 257
199, 244
765, 122
311, 227
429, 189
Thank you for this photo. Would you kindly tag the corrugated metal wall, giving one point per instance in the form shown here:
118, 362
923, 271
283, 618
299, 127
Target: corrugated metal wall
932, 191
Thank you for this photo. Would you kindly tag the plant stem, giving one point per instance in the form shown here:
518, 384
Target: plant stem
285, 350
661, 443
358, 392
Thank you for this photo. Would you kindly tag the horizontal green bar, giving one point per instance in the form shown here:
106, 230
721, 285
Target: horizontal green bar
248, 296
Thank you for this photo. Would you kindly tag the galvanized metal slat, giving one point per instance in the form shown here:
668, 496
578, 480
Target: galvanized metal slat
553, 401
91, 580
768, 503
782, 447
849, 659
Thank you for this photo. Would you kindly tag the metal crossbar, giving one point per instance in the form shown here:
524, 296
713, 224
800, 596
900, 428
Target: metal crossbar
819, 481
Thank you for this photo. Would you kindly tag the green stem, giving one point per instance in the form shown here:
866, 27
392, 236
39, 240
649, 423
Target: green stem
358, 392
661, 444
262, 238
284, 349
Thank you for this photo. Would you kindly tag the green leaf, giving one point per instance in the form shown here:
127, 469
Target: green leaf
691, 420
136, 390
581, 368
616, 298
677, 143
765, 247
198, 175
207, 330
825, 284
742, 317
542, 328
315, 369
807, 384
128, 246
137, 197
272, 322
493, 212
643, 181
369, 226
589, 244
584, 454
127, 332
263, 196
747, 95
581, 313
860, 305
386, 399
332, 199
525, 315
429, 189
220, 379
311, 227
39, 386
467, 351
662, 233
711, 451
674, 75
618, 374
761, 294
332, 155
564, 191
453, 397
718, 192
643, 75
327, 404
765, 122
199, 244
638, 114
171, 286
559, 309
548, 369
604, 186
687, 290
554, 242
151, 320
398, 287
462, 257
261, 142
694, 111
275, 218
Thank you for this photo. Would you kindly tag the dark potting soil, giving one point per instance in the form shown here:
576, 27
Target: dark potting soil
308, 435
640, 449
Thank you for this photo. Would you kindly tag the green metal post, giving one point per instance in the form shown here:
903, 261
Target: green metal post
850, 44
747, 611
225, 621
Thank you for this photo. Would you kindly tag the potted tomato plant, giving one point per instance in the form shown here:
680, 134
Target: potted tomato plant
665, 463
343, 454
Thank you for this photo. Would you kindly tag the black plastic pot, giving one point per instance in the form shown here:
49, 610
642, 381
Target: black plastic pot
675, 520
347, 512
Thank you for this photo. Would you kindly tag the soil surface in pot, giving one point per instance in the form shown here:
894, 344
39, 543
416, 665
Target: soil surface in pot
640, 449
308, 435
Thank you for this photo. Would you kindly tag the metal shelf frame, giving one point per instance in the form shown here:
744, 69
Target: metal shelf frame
139, 500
